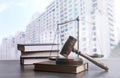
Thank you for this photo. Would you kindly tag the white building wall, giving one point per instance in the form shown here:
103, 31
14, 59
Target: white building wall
30, 32
36, 31
19, 39
47, 25
8, 49
94, 24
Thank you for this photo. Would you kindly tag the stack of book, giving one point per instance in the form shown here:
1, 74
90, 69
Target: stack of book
32, 53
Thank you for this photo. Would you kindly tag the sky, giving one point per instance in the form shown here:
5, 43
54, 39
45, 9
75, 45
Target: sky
16, 14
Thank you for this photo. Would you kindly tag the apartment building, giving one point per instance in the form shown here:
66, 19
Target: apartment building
32, 32
66, 11
96, 24
20, 38
47, 23
42, 29
100, 35
8, 49
94, 31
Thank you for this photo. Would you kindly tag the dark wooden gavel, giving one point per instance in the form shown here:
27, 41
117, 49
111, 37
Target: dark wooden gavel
69, 46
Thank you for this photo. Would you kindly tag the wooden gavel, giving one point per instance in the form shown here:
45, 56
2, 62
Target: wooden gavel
69, 46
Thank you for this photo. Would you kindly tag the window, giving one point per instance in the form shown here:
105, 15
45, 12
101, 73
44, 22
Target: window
83, 23
70, 10
84, 39
110, 24
84, 49
110, 14
93, 28
70, 5
83, 28
111, 44
94, 50
70, 1
94, 5
111, 39
94, 33
110, 19
109, 9
75, 9
94, 39
94, 0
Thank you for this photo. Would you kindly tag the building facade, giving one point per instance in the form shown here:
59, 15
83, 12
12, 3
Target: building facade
96, 24
18, 39
8, 49
47, 24
95, 31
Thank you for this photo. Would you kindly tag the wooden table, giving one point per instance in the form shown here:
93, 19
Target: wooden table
13, 69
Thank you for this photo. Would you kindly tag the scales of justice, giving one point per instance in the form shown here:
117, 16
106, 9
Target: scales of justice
65, 64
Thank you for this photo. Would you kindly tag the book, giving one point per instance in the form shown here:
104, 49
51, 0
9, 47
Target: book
51, 66
32, 61
36, 59
30, 58
37, 54
37, 47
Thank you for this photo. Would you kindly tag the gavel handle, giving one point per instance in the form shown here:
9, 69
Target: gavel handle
100, 64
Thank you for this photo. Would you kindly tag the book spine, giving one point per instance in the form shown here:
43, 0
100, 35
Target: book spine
20, 47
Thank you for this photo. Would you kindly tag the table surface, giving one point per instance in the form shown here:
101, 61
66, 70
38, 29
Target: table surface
13, 69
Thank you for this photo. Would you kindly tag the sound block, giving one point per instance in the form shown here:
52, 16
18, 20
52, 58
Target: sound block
63, 61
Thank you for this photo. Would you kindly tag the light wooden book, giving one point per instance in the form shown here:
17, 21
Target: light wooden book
37, 47
37, 54
51, 66
32, 61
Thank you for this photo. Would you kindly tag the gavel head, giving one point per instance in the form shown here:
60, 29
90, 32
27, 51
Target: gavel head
68, 46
